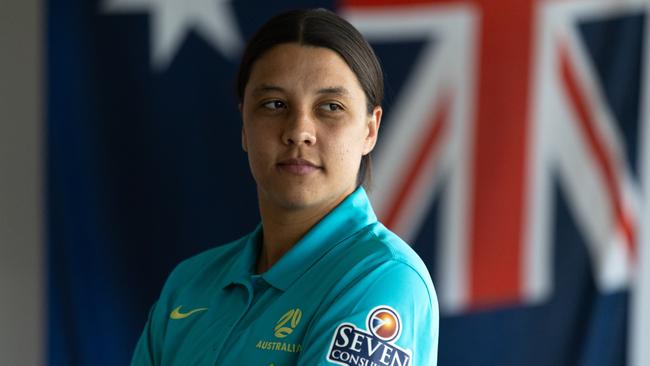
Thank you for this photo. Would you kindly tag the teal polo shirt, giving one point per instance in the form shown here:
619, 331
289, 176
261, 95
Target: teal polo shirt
350, 292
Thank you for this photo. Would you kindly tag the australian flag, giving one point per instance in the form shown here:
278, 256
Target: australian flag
514, 156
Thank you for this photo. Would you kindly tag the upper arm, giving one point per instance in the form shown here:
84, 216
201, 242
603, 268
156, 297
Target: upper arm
356, 324
146, 351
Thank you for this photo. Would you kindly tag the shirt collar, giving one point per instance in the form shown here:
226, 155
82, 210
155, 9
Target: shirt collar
243, 266
350, 216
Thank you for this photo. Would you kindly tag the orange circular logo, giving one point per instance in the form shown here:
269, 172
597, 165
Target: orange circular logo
384, 323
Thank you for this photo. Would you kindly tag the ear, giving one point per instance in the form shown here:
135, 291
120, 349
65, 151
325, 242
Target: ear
373, 129
244, 140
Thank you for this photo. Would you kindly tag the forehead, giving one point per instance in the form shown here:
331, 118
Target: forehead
302, 68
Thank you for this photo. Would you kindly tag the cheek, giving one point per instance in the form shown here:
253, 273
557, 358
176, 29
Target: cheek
347, 152
257, 136
258, 147
258, 151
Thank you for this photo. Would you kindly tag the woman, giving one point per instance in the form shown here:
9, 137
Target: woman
320, 281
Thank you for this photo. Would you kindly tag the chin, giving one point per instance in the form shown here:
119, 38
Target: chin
290, 195
296, 199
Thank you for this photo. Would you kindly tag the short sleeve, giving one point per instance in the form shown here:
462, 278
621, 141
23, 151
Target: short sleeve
389, 316
147, 350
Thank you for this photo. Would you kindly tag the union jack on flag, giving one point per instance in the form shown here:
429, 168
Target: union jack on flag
509, 108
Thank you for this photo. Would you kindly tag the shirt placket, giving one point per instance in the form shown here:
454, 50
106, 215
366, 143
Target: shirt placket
233, 322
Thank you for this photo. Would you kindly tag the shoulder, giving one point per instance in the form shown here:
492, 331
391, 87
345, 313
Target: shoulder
373, 266
377, 280
386, 254
210, 256
396, 248
210, 263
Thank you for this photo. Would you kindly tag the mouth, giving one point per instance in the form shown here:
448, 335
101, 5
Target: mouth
298, 166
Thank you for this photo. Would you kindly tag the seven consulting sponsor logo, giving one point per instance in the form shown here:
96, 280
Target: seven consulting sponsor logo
374, 346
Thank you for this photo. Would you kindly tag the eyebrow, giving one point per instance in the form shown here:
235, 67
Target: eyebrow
336, 90
264, 88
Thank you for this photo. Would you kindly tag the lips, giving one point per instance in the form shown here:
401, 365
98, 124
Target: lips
298, 166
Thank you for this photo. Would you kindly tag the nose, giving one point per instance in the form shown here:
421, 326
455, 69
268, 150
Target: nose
299, 129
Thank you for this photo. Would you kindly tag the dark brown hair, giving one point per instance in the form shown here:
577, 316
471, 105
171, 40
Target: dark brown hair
320, 28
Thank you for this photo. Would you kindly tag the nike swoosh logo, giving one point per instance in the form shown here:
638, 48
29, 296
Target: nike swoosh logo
176, 313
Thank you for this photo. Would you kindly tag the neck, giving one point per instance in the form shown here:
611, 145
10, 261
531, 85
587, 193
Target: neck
282, 228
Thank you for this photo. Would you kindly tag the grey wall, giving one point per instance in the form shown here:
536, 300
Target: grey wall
21, 199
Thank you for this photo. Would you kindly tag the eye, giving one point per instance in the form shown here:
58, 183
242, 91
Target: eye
331, 107
274, 105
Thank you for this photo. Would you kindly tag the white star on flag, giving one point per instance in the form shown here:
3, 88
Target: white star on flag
171, 20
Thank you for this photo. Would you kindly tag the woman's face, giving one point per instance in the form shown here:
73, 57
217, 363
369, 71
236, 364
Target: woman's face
305, 126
